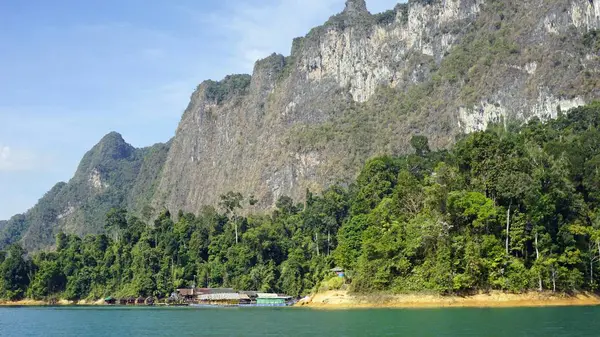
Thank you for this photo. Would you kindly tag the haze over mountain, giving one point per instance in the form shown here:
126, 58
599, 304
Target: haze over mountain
358, 86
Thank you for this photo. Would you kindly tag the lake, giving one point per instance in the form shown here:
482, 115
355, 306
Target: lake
115, 321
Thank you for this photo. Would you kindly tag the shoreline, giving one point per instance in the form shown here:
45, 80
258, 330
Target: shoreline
59, 303
341, 300
334, 300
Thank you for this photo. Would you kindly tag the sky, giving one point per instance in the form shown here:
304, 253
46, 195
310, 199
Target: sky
72, 71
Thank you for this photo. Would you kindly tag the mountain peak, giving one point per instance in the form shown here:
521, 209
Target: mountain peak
112, 146
355, 6
112, 137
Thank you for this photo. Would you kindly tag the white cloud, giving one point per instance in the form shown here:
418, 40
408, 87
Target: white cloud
4, 153
11, 160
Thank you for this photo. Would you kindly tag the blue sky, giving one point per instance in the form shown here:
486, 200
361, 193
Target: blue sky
71, 71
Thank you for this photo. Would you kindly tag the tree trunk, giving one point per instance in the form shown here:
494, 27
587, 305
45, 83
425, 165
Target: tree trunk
172, 271
553, 280
537, 257
317, 242
591, 271
537, 251
507, 226
591, 266
236, 232
328, 242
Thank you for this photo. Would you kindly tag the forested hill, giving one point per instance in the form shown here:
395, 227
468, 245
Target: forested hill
512, 210
112, 174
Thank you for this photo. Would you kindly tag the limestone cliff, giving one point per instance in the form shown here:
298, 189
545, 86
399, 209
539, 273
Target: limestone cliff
363, 84
358, 86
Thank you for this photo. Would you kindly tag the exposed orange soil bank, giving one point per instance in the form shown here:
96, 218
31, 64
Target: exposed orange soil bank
28, 302
342, 300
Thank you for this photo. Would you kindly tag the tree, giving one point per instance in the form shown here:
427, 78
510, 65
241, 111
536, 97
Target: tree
230, 202
350, 241
375, 182
472, 209
48, 280
592, 236
420, 144
116, 221
14, 273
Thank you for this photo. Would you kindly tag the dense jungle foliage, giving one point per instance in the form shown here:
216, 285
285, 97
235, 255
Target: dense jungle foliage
513, 210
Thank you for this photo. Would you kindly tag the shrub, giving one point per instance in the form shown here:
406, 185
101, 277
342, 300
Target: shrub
334, 283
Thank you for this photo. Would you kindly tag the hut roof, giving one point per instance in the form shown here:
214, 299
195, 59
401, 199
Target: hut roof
269, 295
186, 291
250, 293
220, 297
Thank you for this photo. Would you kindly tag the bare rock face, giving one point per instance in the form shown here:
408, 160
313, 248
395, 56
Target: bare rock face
355, 6
297, 123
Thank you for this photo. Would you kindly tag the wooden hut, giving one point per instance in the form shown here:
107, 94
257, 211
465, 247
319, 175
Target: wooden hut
248, 297
150, 300
245, 299
131, 301
140, 301
273, 300
187, 293
123, 301
224, 299
110, 300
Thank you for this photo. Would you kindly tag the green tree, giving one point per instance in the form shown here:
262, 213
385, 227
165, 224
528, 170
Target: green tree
116, 221
230, 202
420, 144
48, 280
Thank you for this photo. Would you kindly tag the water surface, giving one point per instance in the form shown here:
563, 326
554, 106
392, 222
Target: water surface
114, 321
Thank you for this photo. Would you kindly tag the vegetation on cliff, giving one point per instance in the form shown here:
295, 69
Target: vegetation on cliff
112, 174
512, 210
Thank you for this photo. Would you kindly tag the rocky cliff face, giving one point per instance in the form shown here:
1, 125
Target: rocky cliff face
358, 86
362, 85
550, 70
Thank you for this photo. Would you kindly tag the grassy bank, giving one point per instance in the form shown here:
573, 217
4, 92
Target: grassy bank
343, 300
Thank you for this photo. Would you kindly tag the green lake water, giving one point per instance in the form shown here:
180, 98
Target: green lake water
96, 322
